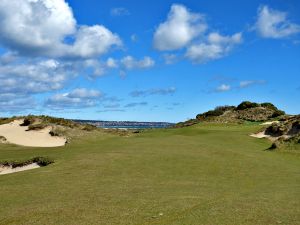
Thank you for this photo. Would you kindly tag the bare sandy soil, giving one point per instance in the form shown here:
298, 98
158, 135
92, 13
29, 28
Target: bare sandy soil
9, 169
269, 123
16, 134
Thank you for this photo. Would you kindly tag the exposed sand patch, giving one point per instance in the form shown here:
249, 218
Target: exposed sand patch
269, 123
16, 134
260, 135
9, 169
270, 137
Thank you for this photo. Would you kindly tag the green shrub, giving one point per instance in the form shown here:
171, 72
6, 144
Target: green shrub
278, 113
268, 105
225, 108
216, 112
247, 105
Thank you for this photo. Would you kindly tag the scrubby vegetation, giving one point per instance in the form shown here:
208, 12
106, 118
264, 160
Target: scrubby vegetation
8, 120
247, 105
37, 127
246, 111
218, 111
2, 139
287, 132
41, 161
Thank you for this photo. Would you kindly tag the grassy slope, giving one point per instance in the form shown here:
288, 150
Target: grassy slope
206, 174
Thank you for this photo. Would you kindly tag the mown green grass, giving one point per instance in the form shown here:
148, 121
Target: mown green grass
205, 174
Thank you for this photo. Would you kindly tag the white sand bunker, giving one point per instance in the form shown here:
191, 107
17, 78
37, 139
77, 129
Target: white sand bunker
260, 135
16, 134
269, 123
10, 169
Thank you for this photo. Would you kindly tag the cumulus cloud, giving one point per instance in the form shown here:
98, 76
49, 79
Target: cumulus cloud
184, 29
155, 91
130, 63
272, 23
77, 98
43, 28
180, 28
223, 88
119, 11
31, 77
216, 46
91, 41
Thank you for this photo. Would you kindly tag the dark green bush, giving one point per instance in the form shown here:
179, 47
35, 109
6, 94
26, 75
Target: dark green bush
26, 122
269, 105
216, 112
53, 134
225, 108
278, 113
247, 105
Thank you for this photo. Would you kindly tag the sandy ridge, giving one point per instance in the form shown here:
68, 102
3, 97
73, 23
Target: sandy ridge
16, 134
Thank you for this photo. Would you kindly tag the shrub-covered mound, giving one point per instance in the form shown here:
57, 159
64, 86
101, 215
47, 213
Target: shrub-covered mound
246, 111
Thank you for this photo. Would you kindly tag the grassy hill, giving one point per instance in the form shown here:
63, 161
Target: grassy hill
203, 174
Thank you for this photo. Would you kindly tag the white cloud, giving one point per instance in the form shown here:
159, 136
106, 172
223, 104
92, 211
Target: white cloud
77, 98
15, 103
120, 11
187, 30
216, 46
84, 93
223, 88
170, 58
41, 28
30, 77
247, 83
98, 68
111, 63
155, 91
274, 24
135, 104
130, 63
92, 41
181, 27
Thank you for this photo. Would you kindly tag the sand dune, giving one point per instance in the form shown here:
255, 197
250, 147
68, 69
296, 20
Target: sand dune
16, 134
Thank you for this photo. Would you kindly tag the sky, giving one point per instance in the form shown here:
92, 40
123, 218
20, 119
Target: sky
146, 60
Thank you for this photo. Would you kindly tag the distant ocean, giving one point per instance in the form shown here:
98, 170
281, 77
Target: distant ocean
132, 127
126, 124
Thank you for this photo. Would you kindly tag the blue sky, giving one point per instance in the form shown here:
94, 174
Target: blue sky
147, 61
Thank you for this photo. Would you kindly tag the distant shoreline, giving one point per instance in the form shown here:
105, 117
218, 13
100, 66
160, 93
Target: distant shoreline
125, 124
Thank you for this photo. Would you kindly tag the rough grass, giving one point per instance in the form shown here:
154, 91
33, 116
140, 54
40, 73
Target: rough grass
204, 174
